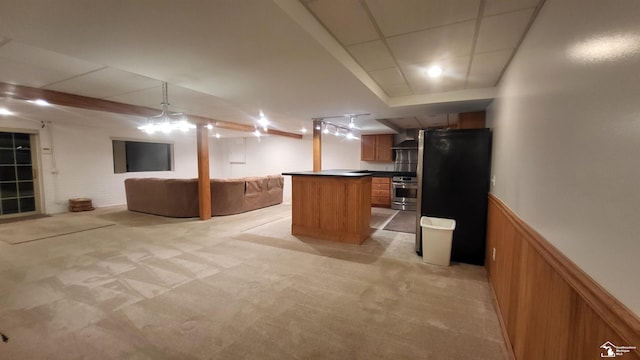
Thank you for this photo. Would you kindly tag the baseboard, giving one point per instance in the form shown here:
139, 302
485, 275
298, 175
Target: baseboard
547, 304
503, 328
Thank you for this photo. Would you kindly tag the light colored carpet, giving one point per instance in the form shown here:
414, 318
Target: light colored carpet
17, 232
403, 221
237, 287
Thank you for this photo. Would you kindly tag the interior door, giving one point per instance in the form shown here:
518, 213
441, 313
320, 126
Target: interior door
18, 195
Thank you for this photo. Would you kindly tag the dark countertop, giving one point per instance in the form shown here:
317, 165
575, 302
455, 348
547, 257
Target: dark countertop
392, 173
342, 173
352, 173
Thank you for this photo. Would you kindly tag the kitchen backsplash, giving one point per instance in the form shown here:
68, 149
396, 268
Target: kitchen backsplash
366, 165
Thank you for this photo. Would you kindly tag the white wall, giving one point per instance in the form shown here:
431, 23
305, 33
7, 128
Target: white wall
82, 152
84, 160
277, 154
567, 138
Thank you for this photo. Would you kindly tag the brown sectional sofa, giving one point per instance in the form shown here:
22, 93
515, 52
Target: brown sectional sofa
179, 197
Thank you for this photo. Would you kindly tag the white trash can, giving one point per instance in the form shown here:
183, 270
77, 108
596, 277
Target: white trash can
437, 235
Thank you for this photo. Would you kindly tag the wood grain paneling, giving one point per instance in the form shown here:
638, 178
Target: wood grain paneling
331, 208
381, 192
317, 145
204, 186
471, 120
549, 308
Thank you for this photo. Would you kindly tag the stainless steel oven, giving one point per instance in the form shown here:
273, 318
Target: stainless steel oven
404, 193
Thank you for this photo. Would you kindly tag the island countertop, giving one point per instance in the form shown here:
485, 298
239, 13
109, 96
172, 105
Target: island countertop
353, 173
344, 173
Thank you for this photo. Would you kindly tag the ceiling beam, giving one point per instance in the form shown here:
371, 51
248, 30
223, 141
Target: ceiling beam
20, 92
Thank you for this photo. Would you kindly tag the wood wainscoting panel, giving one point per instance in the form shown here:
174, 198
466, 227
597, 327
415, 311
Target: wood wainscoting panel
549, 308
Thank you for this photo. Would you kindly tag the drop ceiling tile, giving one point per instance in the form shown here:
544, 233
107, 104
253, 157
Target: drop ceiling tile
493, 7
432, 120
35, 67
397, 90
453, 76
491, 62
438, 86
183, 100
391, 81
482, 80
346, 20
405, 123
502, 31
150, 97
12, 72
429, 45
399, 17
390, 76
104, 83
372, 55
206, 105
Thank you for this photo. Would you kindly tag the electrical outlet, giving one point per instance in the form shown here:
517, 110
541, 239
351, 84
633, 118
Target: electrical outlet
493, 180
493, 254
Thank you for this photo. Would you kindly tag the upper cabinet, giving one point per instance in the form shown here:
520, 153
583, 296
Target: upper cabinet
376, 147
471, 120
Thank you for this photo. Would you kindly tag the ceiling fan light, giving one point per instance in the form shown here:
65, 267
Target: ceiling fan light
166, 121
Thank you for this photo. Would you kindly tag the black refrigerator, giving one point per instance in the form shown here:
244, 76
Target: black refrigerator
453, 183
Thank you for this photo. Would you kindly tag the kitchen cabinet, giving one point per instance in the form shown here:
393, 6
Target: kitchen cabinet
381, 192
471, 120
376, 147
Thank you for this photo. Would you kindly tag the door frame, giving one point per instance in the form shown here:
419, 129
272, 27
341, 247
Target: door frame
36, 166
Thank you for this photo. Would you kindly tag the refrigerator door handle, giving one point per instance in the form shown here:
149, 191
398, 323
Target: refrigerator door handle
419, 171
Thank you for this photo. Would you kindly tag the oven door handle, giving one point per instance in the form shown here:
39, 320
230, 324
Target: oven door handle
402, 184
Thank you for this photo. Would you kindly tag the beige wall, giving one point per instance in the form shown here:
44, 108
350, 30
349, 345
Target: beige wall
567, 137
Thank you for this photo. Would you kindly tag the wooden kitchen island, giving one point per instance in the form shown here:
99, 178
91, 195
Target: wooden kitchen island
331, 205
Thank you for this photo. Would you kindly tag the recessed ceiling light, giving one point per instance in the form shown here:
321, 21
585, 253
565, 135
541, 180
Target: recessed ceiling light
263, 121
434, 71
40, 102
5, 111
209, 126
303, 130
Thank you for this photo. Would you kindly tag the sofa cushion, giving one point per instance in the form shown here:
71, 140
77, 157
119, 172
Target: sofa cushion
227, 196
275, 182
254, 186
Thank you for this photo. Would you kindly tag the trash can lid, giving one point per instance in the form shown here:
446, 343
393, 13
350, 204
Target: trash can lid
437, 223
